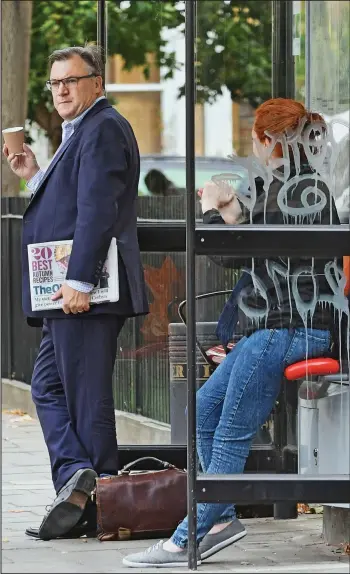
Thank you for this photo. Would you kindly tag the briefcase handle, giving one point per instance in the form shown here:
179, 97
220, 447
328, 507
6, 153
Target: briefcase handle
161, 464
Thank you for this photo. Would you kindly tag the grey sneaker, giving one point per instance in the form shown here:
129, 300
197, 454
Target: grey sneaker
213, 543
156, 557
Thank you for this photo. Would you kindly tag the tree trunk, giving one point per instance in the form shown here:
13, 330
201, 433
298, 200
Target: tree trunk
16, 17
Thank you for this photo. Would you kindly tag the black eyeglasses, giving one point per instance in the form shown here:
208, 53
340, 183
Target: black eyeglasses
72, 82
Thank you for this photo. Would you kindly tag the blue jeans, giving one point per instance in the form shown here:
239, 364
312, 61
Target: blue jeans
234, 403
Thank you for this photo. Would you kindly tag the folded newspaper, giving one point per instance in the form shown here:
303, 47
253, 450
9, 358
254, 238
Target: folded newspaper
48, 265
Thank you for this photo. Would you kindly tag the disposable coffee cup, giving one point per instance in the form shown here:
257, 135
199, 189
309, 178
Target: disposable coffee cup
14, 139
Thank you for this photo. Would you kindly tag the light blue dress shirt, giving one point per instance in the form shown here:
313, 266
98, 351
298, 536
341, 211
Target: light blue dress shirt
34, 183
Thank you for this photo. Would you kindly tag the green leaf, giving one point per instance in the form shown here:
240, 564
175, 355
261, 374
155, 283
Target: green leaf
244, 65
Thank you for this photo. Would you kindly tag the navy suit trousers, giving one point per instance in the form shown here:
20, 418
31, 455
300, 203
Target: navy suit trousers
72, 391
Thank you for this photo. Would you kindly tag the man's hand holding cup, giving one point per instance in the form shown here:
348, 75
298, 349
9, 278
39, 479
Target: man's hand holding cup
19, 156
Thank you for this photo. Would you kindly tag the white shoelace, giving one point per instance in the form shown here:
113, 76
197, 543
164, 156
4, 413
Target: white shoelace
156, 546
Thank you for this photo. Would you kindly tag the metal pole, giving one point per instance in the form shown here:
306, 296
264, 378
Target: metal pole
283, 86
282, 49
8, 290
276, 56
190, 15
102, 30
308, 9
290, 63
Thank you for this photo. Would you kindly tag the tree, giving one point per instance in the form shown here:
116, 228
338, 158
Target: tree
233, 45
234, 50
134, 31
15, 35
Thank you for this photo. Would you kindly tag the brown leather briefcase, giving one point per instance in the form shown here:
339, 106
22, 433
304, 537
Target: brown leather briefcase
141, 503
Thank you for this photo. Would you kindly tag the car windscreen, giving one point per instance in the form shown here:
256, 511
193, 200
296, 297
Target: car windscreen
175, 172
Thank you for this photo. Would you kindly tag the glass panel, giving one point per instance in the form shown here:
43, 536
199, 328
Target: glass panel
144, 76
291, 310
329, 86
297, 171
233, 73
145, 82
295, 175
295, 313
330, 58
299, 49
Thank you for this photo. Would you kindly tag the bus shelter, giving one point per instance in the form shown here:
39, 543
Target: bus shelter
308, 58
289, 241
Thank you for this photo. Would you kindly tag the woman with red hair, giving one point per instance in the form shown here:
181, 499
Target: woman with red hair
277, 306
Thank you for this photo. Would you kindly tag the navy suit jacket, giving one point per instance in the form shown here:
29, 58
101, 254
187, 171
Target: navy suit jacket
89, 194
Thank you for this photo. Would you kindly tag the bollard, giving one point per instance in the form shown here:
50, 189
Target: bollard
263, 458
178, 373
286, 443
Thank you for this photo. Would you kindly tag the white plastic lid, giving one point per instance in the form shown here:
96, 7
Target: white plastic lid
9, 130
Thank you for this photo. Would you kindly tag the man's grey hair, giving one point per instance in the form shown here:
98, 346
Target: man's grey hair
92, 56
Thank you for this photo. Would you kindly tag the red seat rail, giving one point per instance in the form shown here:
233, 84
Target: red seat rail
312, 367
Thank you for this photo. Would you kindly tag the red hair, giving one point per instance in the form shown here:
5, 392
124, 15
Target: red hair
277, 115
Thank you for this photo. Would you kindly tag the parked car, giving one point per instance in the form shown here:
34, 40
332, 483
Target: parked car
169, 173
174, 170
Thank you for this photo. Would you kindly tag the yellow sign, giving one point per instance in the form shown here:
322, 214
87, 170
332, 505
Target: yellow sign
178, 371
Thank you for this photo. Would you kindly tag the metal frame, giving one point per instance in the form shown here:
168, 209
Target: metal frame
190, 93
272, 240
263, 488
102, 31
247, 241
308, 9
250, 241
282, 49
8, 291
242, 241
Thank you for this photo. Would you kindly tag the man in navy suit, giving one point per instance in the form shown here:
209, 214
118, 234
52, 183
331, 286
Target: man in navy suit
88, 193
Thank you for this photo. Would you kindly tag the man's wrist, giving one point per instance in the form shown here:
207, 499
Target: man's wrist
80, 286
33, 174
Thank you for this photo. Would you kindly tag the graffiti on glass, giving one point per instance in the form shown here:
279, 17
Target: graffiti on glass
317, 143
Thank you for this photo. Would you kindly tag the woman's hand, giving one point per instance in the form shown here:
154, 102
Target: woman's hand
215, 196
223, 198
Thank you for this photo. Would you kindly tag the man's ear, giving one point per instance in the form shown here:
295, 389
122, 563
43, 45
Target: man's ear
99, 83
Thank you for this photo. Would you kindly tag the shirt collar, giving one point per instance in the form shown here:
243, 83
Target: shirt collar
70, 125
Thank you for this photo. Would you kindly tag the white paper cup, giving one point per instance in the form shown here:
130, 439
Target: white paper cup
14, 139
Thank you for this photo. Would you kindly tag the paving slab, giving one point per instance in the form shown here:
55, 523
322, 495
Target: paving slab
271, 546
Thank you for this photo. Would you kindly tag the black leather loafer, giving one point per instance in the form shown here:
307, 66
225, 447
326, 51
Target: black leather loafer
87, 525
69, 505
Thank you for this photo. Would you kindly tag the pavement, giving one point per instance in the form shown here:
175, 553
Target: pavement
291, 546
